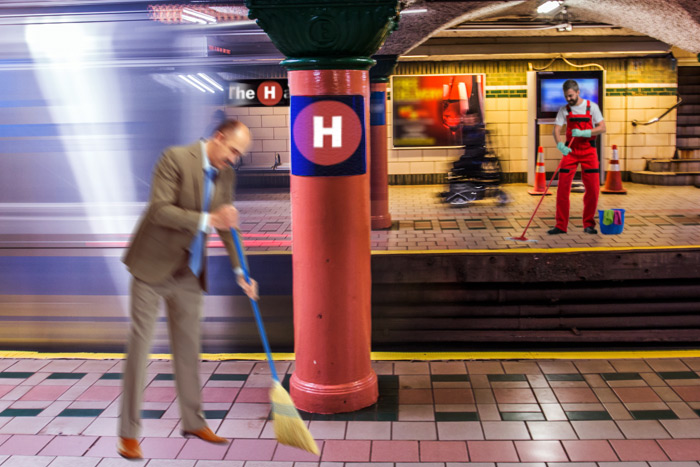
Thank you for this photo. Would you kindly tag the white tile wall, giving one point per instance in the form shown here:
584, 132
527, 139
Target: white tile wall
507, 121
270, 130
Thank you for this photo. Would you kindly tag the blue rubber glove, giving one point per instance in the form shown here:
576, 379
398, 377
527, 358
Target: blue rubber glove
581, 133
563, 148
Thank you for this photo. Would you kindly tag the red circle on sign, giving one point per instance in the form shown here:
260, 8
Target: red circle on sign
269, 92
336, 141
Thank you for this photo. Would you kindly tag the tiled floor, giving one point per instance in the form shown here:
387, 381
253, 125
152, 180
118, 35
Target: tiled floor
654, 216
626, 413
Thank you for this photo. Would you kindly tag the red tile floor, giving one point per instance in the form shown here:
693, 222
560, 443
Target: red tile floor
636, 412
626, 412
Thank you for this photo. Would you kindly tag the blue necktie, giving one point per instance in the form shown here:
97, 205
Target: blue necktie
197, 246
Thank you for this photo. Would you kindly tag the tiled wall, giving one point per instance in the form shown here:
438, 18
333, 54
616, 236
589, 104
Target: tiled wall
636, 89
270, 129
636, 144
639, 89
641, 102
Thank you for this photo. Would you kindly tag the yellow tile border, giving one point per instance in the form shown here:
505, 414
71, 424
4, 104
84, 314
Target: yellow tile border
525, 249
388, 356
516, 250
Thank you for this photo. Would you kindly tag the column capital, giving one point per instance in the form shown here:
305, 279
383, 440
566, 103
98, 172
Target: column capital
382, 71
326, 34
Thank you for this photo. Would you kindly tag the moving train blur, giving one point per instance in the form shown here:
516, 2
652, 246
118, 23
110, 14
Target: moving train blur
90, 96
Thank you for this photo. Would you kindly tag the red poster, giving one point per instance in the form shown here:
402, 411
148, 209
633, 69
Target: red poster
432, 110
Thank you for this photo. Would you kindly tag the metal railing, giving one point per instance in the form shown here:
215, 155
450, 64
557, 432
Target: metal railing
654, 120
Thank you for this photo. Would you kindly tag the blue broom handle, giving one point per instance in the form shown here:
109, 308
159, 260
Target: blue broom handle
254, 303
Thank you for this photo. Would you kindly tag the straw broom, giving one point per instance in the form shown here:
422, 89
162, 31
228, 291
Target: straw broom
290, 429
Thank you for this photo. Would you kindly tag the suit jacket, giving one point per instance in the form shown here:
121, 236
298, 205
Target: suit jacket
160, 244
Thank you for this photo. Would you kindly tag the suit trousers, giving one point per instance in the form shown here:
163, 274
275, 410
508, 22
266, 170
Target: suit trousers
183, 296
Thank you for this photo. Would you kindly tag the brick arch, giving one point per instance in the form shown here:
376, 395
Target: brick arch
675, 22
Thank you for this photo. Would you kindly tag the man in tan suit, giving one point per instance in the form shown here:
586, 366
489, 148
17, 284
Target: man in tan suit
161, 260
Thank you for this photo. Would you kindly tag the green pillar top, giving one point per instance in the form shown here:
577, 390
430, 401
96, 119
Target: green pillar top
326, 34
382, 71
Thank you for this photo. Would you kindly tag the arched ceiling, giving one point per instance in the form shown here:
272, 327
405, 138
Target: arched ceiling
673, 22
448, 30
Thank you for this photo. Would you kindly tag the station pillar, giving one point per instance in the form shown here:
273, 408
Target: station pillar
328, 45
379, 179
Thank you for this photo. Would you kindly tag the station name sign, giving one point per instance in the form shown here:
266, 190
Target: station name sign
258, 93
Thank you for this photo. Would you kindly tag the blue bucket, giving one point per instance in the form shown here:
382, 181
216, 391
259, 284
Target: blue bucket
612, 229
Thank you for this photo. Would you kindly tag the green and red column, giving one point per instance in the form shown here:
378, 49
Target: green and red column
379, 173
328, 45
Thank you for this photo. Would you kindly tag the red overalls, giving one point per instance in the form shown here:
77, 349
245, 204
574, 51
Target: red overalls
584, 153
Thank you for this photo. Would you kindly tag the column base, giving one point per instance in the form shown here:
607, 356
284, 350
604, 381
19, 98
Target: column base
334, 398
380, 222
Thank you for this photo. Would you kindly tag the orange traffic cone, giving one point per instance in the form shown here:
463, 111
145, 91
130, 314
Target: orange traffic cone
613, 179
540, 187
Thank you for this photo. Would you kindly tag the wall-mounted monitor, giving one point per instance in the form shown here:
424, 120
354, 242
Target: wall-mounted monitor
550, 94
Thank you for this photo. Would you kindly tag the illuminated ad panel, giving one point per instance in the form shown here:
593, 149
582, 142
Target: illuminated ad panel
430, 111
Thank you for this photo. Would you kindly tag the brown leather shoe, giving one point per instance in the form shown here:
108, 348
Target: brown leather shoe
205, 434
129, 448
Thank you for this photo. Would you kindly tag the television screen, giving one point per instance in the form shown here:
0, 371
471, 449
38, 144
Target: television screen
551, 94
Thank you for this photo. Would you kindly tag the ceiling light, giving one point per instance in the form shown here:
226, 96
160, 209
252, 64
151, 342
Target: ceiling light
199, 83
198, 14
417, 10
549, 6
192, 19
210, 81
188, 81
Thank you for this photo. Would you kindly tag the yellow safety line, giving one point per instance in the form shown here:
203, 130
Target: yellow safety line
392, 356
515, 249
524, 355
525, 249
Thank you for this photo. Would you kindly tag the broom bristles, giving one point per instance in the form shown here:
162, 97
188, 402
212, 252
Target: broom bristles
290, 429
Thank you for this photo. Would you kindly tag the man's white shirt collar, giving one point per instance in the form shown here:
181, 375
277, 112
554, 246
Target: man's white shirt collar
205, 157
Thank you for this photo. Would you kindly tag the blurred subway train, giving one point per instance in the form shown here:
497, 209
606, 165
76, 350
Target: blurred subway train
90, 95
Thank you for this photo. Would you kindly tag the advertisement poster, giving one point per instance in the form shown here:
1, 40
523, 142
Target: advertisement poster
432, 110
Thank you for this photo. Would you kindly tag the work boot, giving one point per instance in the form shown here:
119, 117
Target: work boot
590, 230
556, 231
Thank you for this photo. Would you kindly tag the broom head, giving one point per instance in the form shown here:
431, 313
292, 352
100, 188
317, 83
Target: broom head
522, 239
290, 429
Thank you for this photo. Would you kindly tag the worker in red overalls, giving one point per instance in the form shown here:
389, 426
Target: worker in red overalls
584, 123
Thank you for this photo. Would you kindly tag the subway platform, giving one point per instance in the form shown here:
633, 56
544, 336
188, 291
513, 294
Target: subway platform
599, 408
616, 409
655, 216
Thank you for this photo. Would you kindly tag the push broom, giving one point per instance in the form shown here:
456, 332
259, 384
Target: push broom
289, 427
523, 238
